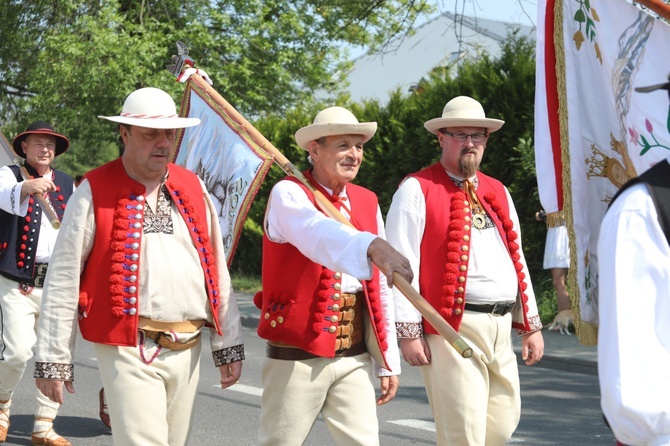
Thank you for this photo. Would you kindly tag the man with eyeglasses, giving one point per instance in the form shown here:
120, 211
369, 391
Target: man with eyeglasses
460, 231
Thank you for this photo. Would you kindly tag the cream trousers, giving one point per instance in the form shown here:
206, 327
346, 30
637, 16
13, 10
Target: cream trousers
18, 322
340, 389
149, 404
475, 401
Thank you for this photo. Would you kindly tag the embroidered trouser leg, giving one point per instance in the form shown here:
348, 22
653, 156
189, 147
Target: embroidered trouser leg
475, 401
18, 321
295, 392
149, 404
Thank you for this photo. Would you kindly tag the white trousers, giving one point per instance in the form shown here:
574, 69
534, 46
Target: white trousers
475, 401
149, 404
18, 321
295, 392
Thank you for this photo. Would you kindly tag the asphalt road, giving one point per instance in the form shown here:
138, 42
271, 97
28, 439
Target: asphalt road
558, 407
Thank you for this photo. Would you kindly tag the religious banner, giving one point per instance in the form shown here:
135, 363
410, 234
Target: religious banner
230, 161
608, 132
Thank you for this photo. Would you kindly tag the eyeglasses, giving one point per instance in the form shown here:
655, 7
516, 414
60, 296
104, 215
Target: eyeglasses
462, 137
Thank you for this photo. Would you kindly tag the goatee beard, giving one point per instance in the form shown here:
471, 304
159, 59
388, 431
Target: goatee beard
468, 167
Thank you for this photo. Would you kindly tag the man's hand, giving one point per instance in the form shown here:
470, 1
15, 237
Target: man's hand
415, 351
532, 347
389, 386
53, 388
230, 373
389, 260
37, 186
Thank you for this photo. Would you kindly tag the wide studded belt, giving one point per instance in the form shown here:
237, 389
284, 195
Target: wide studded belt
351, 322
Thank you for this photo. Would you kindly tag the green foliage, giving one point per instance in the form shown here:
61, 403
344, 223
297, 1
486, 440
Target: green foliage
68, 61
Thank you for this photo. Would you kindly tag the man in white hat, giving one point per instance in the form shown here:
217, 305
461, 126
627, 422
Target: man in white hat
475, 276
325, 309
27, 240
141, 235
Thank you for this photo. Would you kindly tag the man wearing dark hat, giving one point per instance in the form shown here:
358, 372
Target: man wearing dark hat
140, 266
460, 231
326, 312
27, 240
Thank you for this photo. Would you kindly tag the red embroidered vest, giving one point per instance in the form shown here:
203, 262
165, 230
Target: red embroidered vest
109, 295
297, 293
448, 212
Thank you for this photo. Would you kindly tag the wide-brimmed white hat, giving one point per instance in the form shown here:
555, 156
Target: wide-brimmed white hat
463, 111
152, 108
334, 121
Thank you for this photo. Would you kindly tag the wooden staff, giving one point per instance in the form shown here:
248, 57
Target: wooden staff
427, 310
47, 209
658, 6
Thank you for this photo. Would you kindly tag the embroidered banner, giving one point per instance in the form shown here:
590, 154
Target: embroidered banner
230, 162
609, 133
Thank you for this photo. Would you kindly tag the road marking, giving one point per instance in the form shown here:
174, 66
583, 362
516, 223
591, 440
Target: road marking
242, 388
416, 424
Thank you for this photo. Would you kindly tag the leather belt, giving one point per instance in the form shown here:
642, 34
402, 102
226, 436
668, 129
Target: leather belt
297, 354
144, 323
500, 308
160, 338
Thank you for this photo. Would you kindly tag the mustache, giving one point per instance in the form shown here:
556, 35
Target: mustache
467, 151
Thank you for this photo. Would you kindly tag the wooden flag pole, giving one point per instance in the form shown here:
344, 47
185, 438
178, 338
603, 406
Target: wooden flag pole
658, 6
427, 310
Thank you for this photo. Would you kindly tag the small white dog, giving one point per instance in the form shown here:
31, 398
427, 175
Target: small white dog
561, 322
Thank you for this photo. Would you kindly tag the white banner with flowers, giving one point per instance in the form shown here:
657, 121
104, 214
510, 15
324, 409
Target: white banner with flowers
609, 132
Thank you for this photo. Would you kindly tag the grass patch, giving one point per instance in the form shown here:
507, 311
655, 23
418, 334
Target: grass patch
246, 283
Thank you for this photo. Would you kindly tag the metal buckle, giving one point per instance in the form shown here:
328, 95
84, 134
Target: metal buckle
40, 274
504, 308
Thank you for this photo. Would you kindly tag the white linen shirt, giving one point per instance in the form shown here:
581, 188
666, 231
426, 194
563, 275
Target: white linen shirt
634, 315
292, 218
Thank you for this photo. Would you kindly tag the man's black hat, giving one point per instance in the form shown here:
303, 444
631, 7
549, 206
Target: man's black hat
40, 128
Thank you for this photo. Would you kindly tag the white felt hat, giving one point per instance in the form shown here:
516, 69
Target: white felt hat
152, 108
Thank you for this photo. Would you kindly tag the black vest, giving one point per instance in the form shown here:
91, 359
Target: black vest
657, 179
19, 235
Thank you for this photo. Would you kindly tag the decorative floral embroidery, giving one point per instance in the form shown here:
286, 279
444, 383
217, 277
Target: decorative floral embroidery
53, 370
587, 17
409, 329
637, 138
228, 355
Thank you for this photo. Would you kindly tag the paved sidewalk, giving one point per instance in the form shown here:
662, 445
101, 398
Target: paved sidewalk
561, 352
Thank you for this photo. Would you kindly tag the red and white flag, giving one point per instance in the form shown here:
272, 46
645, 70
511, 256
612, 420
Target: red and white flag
593, 130
229, 160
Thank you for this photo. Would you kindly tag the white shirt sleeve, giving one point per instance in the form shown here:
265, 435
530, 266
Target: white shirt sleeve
10, 193
292, 218
386, 297
405, 223
634, 312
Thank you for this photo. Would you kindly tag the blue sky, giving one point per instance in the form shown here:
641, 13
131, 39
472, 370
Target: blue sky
516, 11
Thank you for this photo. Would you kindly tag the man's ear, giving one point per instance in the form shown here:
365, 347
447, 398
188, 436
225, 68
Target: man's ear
313, 149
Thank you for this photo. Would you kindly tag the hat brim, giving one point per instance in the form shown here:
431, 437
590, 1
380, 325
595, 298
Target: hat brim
490, 124
316, 131
155, 123
62, 143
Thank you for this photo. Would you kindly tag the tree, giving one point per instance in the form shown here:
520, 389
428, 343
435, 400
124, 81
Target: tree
68, 61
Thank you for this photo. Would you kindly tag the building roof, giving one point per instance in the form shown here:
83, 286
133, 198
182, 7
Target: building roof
442, 41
